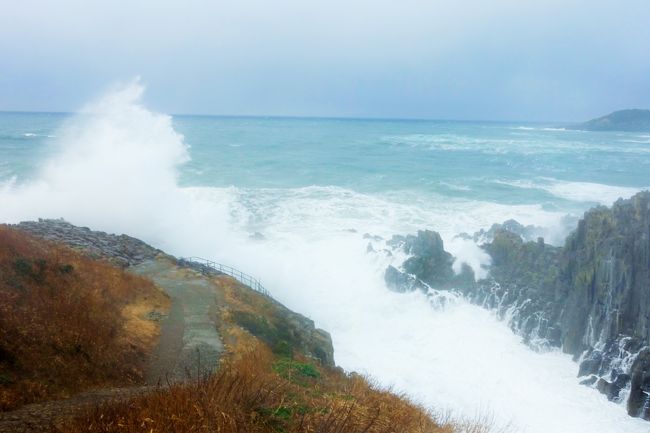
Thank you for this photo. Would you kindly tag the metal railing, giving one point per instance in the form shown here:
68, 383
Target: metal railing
204, 265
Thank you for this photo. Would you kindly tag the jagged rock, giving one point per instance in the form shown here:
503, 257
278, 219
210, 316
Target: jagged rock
430, 262
401, 282
638, 403
612, 389
592, 292
591, 364
607, 275
527, 233
590, 380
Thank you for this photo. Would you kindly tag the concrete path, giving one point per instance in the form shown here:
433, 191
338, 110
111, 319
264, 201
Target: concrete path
189, 345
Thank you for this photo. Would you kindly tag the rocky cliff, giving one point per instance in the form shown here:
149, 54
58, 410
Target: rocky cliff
590, 297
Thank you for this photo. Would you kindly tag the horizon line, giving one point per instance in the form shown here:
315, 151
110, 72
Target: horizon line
314, 117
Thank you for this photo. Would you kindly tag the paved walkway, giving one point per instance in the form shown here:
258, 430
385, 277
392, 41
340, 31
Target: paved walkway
189, 344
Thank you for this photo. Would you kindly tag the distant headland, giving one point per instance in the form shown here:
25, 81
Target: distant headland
633, 120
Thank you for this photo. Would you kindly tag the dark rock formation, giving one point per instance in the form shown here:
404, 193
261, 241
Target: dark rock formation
121, 250
401, 282
634, 120
638, 404
590, 297
429, 263
527, 233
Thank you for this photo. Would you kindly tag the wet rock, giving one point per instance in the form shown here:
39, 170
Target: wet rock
590, 380
590, 364
612, 389
527, 233
401, 282
429, 262
638, 403
592, 292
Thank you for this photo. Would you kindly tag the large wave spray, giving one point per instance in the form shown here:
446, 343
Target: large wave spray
115, 168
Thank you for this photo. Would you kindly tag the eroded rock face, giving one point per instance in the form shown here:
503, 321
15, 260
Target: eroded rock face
590, 297
638, 404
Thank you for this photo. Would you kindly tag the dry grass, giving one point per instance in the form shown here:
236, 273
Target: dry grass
68, 323
258, 393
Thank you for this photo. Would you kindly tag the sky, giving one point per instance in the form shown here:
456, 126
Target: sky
535, 60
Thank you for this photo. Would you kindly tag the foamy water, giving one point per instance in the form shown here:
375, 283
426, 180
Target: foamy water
117, 168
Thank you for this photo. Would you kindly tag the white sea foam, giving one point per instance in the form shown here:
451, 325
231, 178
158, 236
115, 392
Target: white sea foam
116, 170
33, 134
593, 192
576, 191
468, 252
528, 141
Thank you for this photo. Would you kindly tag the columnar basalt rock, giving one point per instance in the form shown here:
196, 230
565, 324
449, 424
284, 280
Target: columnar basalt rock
590, 297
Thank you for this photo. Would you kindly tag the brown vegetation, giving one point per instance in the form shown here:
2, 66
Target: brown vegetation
68, 323
260, 389
259, 393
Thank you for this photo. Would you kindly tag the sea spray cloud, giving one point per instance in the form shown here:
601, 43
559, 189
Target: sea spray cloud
114, 166
467, 252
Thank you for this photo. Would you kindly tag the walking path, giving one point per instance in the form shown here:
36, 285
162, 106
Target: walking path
189, 346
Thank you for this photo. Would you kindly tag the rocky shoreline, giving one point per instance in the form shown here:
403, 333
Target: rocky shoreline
590, 297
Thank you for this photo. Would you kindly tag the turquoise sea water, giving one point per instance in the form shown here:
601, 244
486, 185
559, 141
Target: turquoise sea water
195, 185
498, 162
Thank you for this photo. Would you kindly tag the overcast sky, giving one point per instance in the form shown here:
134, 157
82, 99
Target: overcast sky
447, 59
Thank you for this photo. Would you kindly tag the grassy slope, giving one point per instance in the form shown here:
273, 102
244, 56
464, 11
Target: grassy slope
68, 323
263, 386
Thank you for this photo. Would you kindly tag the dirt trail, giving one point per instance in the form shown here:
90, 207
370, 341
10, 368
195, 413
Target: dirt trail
189, 345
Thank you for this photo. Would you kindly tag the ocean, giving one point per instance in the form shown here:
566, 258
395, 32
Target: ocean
296, 202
